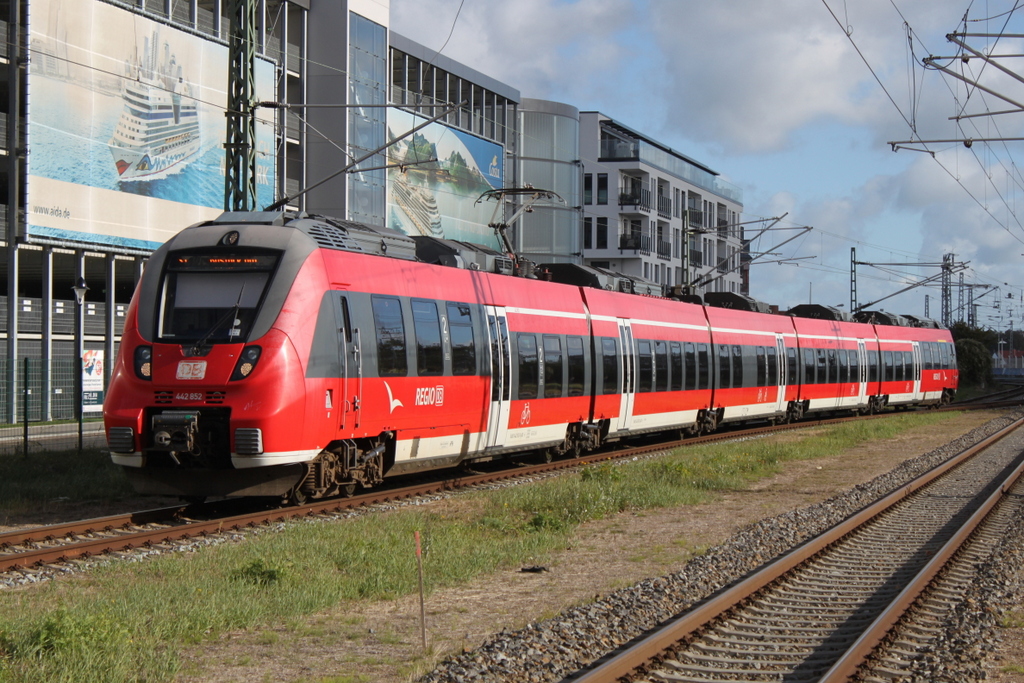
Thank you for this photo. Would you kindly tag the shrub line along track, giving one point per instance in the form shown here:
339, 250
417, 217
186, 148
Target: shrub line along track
808, 615
27, 548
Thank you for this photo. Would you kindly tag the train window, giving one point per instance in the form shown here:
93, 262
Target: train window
762, 367
844, 367
429, 353
645, 366
703, 367
897, 366
610, 366
809, 367
833, 367
346, 322
660, 366
390, 329
552, 367
724, 365
943, 356
676, 353
577, 365
691, 366
908, 363
529, 366
737, 366
791, 366
460, 327
872, 366
855, 365
822, 367
492, 326
773, 367
887, 362
198, 306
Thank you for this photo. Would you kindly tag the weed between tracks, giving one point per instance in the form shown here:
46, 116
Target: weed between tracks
128, 622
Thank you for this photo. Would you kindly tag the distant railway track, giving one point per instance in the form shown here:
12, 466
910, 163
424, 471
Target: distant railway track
819, 612
30, 549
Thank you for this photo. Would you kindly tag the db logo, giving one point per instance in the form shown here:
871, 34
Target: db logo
430, 396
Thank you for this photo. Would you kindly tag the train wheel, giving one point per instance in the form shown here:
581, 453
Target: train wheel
296, 497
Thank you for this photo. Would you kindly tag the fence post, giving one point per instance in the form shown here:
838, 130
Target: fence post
78, 399
24, 410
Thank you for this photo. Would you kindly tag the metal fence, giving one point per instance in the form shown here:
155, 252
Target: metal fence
44, 398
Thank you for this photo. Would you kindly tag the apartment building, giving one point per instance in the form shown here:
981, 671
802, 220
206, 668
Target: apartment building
655, 213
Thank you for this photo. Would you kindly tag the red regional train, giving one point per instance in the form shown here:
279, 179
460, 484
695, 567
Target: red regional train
285, 354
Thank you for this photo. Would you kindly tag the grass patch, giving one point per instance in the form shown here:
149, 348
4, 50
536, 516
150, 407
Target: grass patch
42, 480
128, 622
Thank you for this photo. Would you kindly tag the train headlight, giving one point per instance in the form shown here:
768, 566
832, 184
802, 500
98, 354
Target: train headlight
246, 362
144, 362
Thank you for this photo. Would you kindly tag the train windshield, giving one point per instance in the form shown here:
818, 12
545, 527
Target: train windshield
212, 299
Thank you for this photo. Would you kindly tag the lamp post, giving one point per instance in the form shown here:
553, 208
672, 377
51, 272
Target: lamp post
80, 289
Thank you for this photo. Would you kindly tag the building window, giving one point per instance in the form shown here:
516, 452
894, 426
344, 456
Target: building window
588, 188
602, 188
587, 242
602, 233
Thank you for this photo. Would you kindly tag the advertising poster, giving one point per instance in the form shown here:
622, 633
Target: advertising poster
127, 127
438, 198
92, 381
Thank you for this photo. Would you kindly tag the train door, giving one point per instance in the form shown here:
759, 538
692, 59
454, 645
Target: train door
917, 371
501, 376
627, 358
351, 366
780, 373
862, 380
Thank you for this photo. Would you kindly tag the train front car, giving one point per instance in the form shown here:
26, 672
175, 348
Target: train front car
207, 396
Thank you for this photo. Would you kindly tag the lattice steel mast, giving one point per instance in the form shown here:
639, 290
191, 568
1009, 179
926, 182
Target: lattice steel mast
240, 140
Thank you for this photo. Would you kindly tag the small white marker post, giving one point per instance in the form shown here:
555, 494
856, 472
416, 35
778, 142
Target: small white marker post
423, 614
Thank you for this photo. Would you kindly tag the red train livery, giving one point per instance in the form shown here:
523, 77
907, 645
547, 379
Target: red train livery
282, 354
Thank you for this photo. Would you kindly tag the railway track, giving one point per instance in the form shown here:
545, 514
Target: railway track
819, 612
35, 549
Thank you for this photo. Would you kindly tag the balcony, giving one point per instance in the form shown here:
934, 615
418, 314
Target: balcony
723, 228
696, 259
664, 250
635, 242
664, 206
619, 149
638, 198
696, 218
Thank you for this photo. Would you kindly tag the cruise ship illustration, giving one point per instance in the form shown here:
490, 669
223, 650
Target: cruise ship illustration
158, 132
421, 208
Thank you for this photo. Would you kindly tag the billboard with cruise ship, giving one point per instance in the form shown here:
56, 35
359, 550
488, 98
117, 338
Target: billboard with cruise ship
127, 128
441, 172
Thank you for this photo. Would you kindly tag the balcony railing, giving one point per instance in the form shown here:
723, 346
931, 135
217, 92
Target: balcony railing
619, 149
696, 218
664, 250
636, 197
664, 206
636, 242
696, 259
723, 228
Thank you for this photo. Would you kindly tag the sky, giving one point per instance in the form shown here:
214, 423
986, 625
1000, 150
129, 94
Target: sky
796, 102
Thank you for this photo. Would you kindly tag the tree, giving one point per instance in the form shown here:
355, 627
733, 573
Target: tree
974, 362
988, 338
